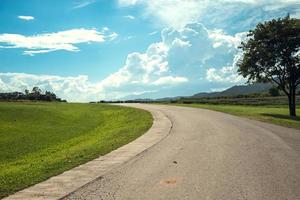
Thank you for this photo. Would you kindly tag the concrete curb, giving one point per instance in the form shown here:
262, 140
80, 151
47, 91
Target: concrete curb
61, 185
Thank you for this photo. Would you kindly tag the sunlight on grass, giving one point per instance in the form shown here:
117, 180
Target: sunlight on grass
273, 114
39, 140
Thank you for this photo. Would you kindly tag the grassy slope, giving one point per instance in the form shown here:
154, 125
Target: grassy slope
273, 114
39, 140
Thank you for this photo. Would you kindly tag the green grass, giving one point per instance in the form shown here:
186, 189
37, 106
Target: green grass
39, 140
273, 114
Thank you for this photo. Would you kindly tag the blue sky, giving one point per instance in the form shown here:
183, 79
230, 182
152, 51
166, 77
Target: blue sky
86, 50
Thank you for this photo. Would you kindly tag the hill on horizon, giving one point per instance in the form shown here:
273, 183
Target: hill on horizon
232, 91
237, 90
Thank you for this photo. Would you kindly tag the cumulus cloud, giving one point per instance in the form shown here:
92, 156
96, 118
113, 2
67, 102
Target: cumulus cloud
48, 42
191, 56
225, 74
178, 13
140, 71
26, 18
182, 57
191, 59
77, 88
195, 48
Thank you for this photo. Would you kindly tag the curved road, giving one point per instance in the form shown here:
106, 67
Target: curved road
208, 155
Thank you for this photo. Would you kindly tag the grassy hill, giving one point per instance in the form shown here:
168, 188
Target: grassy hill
39, 140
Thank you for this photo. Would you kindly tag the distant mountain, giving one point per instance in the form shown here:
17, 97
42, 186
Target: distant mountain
237, 90
233, 91
168, 98
160, 99
141, 99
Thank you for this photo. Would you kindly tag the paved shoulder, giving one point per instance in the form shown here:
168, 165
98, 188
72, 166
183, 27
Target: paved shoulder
208, 155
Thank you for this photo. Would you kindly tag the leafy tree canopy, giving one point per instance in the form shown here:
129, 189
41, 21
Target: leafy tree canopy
272, 54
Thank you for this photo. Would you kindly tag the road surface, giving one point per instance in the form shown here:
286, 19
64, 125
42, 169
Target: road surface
208, 155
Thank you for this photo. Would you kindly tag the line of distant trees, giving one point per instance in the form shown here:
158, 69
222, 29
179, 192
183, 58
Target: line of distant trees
125, 101
36, 94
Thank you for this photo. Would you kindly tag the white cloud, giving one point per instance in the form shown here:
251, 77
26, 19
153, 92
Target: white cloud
139, 72
183, 56
220, 38
191, 56
178, 13
33, 52
129, 17
219, 89
111, 36
170, 80
127, 2
225, 74
153, 33
83, 3
26, 18
63, 40
175, 13
186, 60
77, 88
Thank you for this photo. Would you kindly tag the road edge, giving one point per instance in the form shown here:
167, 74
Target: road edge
62, 185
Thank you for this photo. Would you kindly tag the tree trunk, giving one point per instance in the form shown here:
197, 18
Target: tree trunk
292, 102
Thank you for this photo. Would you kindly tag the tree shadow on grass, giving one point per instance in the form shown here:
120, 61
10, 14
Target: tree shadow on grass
280, 116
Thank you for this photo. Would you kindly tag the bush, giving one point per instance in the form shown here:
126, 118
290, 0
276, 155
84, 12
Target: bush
274, 92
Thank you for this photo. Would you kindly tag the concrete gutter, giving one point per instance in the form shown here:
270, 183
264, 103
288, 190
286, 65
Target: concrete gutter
60, 186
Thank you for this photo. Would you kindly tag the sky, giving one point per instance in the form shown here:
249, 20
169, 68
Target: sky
90, 50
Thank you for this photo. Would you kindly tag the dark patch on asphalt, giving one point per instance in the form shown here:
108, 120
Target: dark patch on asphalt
171, 181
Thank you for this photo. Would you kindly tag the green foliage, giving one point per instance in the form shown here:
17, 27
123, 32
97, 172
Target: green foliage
39, 140
274, 92
271, 54
249, 99
35, 95
276, 114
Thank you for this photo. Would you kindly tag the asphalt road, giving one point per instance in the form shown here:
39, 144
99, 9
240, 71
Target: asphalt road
208, 155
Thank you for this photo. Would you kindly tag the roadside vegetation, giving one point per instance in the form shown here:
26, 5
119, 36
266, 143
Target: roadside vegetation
253, 99
276, 114
39, 140
35, 95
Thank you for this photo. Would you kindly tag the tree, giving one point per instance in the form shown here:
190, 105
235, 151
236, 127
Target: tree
36, 90
272, 54
26, 92
274, 92
49, 96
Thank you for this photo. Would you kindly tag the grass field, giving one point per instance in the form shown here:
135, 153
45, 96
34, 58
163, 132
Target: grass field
39, 140
273, 114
